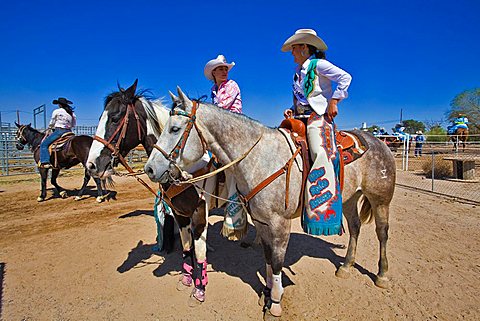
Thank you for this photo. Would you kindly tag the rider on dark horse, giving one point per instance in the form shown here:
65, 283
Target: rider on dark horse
460, 122
62, 121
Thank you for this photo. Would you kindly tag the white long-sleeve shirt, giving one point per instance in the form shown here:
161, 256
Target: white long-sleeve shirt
322, 92
62, 119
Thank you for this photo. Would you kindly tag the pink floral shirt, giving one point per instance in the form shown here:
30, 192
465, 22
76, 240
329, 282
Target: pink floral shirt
227, 96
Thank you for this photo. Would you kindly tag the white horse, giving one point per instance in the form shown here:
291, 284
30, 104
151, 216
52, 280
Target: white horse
369, 181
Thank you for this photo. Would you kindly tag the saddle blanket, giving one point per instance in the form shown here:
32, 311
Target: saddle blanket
58, 144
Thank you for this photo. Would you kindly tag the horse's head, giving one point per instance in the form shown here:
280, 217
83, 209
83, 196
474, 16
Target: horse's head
122, 127
180, 145
21, 137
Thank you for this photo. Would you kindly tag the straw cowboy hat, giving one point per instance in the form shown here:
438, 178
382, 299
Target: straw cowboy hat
304, 36
214, 63
62, 101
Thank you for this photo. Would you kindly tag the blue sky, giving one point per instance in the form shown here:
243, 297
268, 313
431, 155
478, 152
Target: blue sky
409, 55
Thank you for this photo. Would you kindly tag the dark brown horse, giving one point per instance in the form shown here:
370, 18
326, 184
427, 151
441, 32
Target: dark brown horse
74, 152
129, 119
460, 135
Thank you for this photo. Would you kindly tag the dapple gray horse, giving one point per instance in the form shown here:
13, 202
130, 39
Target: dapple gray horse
368, 190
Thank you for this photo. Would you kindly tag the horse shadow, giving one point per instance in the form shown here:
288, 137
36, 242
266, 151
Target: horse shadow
137, 213
88, 192
91, 191
137, 257
234, 258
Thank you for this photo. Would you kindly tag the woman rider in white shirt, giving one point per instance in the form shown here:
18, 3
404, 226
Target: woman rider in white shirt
62, 121
315, 100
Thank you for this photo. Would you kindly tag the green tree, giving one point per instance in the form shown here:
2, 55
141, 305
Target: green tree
436, 133
467, 103
412, 126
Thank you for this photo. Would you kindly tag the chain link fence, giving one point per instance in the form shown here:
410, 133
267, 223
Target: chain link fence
440, 166
437, 166
17, 162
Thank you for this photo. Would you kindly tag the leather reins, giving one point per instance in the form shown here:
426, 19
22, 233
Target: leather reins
179, 147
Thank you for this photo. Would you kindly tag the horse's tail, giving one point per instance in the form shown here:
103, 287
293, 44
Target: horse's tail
366, 213
108, 183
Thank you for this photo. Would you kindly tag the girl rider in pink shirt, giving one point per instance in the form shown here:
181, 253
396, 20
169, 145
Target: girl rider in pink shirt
225, 92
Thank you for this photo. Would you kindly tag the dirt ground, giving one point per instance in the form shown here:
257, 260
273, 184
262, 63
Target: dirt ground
67, 260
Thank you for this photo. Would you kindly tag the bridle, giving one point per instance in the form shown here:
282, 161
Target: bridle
180, 146
121, 131
20, 136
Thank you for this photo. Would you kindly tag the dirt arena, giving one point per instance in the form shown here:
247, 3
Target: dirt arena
67, 260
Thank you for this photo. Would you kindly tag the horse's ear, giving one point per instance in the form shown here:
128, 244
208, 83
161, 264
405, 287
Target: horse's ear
16, 124
120, 89
130, 92
187, 103
173, 97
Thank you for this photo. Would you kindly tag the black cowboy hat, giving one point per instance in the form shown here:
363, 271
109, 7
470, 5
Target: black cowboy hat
62, 101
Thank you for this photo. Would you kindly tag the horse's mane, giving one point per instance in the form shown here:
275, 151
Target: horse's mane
34, 130
157, 114
145, 93
242, 117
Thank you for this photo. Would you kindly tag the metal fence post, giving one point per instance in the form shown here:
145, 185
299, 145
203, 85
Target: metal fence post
4, 148
433, 168
407, 150
7, 138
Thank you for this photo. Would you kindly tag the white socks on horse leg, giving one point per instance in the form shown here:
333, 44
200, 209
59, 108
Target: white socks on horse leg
277, 288
276, 295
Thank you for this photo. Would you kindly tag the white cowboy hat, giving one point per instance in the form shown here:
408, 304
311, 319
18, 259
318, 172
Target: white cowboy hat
304, 36
214, 63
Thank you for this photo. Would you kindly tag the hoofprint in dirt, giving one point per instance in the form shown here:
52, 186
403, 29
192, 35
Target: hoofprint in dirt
66, 260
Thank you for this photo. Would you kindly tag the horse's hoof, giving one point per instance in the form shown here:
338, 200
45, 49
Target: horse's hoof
196, 298
40, 199
342, 272
273, 313
100, 199
63, 194
382, 282
184, 283
77, 198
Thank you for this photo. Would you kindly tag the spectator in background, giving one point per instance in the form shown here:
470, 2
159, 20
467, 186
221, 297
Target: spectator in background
419, 140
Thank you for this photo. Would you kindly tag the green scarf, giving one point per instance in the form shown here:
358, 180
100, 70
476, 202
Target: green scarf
309, 81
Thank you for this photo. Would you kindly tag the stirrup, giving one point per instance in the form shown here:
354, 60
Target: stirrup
45, 165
